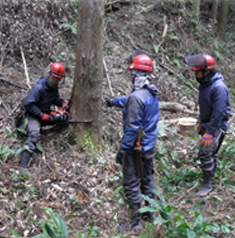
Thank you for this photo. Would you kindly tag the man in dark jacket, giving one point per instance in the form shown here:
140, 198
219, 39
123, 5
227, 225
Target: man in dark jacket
36, 108
215, 108
140, 110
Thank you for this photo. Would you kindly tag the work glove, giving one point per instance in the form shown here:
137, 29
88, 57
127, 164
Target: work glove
121, 154
45, 117
65, 106
207, 139
109, 102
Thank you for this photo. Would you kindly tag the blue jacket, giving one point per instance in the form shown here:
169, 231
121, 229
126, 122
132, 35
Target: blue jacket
40, 99
141, 108
214, 103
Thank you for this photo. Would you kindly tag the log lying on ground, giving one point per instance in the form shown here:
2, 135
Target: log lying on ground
176, 107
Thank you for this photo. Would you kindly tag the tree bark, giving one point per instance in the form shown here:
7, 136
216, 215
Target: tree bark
223, 14
86, 97
214, 10
196, 8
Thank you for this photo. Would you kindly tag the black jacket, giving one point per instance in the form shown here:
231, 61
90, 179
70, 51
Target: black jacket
214, 103
40, 99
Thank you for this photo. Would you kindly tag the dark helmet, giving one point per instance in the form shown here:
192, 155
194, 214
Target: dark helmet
200, 62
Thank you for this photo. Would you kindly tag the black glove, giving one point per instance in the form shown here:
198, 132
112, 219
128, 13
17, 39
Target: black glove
109, 102
121, 154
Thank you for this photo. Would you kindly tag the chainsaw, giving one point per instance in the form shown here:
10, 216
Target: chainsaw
62, 116
59, 115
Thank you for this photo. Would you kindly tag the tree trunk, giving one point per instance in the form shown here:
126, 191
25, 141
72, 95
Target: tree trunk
214, 10
196, 8
86, 97
223, 14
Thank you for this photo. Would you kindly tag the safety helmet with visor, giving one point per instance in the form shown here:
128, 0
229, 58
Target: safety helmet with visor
56, 72
200, 62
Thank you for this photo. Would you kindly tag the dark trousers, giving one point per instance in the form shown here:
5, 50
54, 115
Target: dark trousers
33, 132
33, 136
208, 155
134, 186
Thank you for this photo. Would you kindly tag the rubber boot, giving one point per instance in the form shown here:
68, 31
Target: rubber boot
134, 225
136, 217
23, 164
206, 187
148, 216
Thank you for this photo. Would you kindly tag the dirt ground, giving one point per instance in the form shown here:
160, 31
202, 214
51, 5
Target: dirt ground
83, 187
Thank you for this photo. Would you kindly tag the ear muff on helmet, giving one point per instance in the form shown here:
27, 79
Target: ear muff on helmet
200, 62
141, 62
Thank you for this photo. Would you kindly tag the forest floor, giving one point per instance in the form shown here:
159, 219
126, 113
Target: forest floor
85, 188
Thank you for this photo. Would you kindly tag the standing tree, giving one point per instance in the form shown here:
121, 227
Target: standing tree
222, 20
196, 8
86, 97
215, 5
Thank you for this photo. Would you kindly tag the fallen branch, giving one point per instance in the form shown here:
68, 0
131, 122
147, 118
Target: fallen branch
174, 73
117, 1
164, 31
149, 8
25, 67
3, 104
174, 107
107, 76
13, 84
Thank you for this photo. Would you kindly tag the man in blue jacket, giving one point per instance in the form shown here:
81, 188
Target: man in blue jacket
140, 110
36, 108
215, 108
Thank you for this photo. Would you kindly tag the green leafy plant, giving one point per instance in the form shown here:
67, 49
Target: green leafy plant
119, 193
176, 224
55, 227
93, 230
72, 28
6, 152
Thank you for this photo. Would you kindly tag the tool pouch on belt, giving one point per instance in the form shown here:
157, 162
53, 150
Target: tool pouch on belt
138, 154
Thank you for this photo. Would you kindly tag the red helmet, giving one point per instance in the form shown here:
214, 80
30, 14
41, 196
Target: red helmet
200, 62
57, 70
141, 62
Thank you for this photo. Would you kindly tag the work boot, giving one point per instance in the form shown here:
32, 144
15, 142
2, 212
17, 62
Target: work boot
135, 217
25, 159
135, 221
206, 186
148, 216
25, 172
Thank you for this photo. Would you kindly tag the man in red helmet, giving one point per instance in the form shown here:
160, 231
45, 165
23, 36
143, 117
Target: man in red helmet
214, 108
140, 110
36, 108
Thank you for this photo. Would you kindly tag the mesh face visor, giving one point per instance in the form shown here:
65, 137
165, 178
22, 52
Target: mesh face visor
129, 59
196, 61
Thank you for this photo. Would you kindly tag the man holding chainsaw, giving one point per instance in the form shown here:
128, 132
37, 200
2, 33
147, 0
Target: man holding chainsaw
140, 118
214, 108
37, 109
